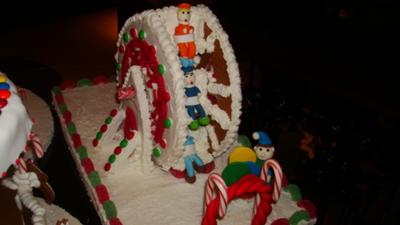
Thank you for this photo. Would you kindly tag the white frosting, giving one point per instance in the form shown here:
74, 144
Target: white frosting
159, 26
15, 126
133, 192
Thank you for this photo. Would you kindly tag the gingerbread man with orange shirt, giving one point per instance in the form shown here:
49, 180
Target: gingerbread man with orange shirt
184, 37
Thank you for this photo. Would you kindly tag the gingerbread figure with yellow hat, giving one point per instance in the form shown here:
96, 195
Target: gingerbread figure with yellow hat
184, 36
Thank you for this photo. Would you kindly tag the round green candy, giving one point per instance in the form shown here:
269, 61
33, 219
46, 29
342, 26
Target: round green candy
110, 209
71, 128
142, 34
234, 171
161, 69
112, 158
123, 143
94, 178
126, 37
167, 123
108, 120
156, 152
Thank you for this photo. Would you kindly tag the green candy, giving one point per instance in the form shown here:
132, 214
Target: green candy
112, 158
126, 37
156, 152
161, 69
244, 141
110, 209
94, 178
108, 120
84, 82
99, 135
142, 34
167, 123
119, 67
62, 107
81, 150
294, 191
71, 128
56, 89
234, 171
298, 216
123, 143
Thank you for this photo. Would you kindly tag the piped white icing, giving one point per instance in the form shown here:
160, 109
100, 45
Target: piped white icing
15, 126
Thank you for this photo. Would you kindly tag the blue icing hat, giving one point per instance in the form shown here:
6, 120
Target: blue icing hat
189, 140
262, 137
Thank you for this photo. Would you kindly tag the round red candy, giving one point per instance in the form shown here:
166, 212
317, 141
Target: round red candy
5, 94
3, 103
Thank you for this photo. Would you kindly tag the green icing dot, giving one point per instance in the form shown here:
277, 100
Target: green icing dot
56, 89
126, 37
161, 69
244, 141
110, 209
62, 107
84, 82
99, 135
299, 216
94, 178
71, 128
81, 150
156, 152
112, 158
123, 143
142, 34
119, 67
294, 191
108, 120
167, 123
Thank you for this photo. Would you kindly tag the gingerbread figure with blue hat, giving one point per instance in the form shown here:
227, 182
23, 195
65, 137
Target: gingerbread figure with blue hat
264, 149
193, 106
191, 158
243, 160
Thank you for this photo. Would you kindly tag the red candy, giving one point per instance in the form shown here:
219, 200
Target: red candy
5, 94
103, 128
3, 103
117, 150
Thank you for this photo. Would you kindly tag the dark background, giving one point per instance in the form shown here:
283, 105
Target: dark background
323, 67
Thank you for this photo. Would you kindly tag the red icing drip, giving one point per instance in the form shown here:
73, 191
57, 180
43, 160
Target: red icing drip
281, 221
247, 185
130, 122
87, 165
309, 207
76, 140
102, 193
146, 58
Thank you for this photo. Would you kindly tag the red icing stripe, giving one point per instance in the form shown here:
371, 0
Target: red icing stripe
87, 165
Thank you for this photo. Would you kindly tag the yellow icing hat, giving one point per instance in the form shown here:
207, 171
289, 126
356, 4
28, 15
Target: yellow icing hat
242, 154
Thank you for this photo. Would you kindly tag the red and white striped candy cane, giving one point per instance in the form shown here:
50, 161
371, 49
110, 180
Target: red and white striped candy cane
22, 165
278, 175
215, 180
36, 144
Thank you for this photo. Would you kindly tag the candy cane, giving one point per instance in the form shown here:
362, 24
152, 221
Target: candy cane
215, 180
36, 145
247, 185
278, 175
21, 164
